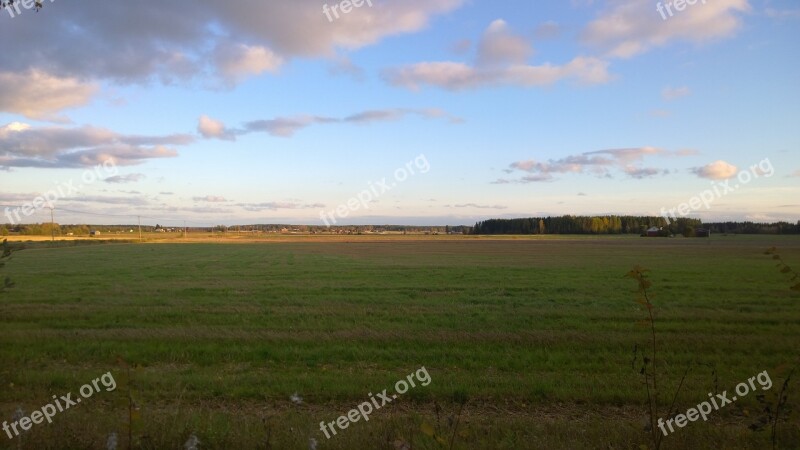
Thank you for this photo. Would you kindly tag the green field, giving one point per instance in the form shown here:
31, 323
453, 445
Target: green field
534, 337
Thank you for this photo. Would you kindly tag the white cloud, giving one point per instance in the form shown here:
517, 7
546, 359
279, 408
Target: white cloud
500, 46
168, 41
56, 147
718, 170
501, 60
212, 128
631, 27
38, 95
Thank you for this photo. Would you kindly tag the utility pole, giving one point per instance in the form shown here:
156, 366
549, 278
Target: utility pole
184, 229
52, 225
140, 227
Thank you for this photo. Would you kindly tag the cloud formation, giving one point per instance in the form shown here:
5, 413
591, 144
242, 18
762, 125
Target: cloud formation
235, 62
274, 206
124, 179
40, 96
210, 199
173, 41
718, 170
22, 145
599, 163
211, 128
632, 27
287, 126
501, 61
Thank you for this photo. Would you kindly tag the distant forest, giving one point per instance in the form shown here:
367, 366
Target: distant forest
533, 225
624, 225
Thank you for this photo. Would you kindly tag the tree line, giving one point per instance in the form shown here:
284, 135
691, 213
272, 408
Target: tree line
624, 225
533, 225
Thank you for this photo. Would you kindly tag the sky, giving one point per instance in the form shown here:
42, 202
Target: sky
434, 112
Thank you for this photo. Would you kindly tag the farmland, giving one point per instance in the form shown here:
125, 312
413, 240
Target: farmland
528, 340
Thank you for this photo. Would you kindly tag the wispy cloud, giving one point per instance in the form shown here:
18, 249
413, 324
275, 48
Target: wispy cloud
111, 200
547, 30
275, 206
210, 199
287, 126
123, 179
673, 93
477, 206
598, 163
342, 65
660, 113
782, 14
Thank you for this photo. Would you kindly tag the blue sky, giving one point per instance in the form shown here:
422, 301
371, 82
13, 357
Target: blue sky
267, 112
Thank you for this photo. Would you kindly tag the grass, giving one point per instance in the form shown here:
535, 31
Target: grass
538, 333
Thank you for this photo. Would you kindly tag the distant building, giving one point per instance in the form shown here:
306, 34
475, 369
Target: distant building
94, 233
653, 232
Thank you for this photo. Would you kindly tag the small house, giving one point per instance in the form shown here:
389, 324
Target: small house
653, 232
